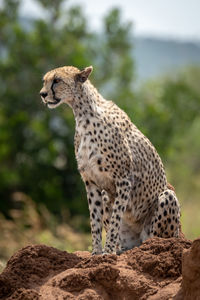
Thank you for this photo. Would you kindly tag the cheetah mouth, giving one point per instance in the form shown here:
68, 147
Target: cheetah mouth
56, 101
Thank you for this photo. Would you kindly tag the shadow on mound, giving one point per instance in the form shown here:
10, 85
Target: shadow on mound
152, 271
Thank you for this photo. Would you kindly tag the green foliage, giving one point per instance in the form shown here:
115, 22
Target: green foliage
36, 153
167, 107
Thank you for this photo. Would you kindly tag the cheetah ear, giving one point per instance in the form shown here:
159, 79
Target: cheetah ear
83, 75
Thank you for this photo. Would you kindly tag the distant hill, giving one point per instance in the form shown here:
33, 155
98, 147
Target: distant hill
154, 57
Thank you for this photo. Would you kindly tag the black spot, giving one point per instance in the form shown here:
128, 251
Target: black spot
118, 217
91, 194
91, 154
99, 193
159, 225
172, 227
97, 203
165, 213
87, 182
162, 204
99, 161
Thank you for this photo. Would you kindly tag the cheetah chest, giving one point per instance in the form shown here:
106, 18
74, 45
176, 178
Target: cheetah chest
88, 158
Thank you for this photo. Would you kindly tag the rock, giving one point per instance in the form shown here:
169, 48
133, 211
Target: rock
191, 272
152, 271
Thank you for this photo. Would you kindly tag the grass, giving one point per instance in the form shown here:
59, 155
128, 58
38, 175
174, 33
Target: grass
190, 219
29, 227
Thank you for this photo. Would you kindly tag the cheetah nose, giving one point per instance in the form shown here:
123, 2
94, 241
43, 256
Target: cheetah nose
43, 95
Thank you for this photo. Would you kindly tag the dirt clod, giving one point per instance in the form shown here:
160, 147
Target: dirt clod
153, 271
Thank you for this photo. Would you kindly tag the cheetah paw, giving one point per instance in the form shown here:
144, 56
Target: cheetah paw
108, 251
96, 252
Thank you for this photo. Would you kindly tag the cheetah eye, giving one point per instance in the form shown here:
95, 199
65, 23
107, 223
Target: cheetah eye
56, 80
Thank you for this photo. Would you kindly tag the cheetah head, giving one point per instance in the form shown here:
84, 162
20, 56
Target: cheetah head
60, 85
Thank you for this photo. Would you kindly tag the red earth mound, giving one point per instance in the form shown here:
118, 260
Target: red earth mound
152, 271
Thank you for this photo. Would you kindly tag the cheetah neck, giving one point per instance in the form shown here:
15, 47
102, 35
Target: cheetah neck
87, 103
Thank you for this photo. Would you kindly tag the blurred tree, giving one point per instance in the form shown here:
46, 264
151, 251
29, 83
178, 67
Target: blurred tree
167, 108
114, 59
36, 153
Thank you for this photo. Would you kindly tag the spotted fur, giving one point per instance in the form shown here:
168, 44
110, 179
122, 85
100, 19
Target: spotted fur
124, 176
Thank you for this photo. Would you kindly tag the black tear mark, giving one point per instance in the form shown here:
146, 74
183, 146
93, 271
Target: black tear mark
54, 94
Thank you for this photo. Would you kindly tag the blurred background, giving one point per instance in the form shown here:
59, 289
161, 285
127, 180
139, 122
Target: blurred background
145, 57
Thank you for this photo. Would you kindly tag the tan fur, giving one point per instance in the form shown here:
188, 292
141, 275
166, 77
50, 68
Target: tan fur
124, 176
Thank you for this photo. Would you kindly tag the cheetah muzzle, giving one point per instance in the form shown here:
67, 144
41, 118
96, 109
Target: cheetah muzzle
125, 180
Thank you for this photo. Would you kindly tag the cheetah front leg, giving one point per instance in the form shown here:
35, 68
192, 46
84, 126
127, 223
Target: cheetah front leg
107, 210
122, 196
107, 213
96, 213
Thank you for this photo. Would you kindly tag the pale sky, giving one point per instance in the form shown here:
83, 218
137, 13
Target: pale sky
163, 18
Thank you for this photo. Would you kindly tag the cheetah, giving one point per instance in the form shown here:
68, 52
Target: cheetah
124, 177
